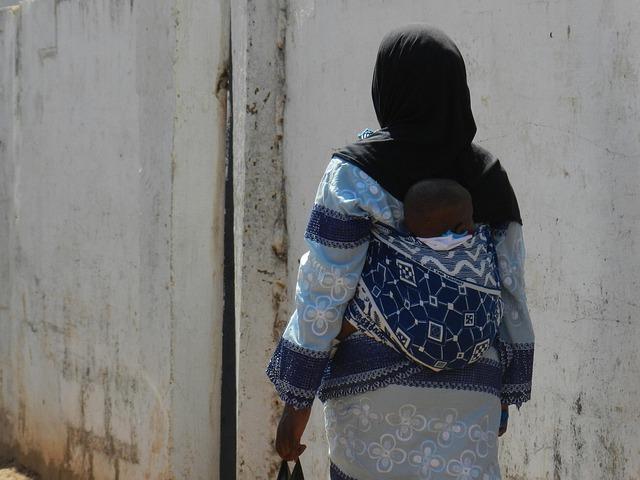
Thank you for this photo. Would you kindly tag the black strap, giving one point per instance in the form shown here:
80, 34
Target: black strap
297, 472
284, 473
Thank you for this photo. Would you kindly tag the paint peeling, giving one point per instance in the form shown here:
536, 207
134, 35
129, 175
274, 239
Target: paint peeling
89, 442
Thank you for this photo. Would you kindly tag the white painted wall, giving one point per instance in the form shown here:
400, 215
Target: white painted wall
111, 201
111, 194
555, 94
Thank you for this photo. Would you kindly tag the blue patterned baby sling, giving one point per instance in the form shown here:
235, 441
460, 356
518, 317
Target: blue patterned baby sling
440, 308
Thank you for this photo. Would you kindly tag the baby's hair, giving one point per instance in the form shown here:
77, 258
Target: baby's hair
427, 196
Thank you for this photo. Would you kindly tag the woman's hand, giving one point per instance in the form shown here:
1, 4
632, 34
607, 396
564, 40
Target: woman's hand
290, 430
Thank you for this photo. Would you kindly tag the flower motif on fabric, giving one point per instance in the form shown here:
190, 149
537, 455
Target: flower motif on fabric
484, 438
426, 460
310, 273
339, 407
447, 428
367, 187
407, 421
320, 315
510, 254
307, 275
385, 213
510, 273
386, 454
464, 468
340, 284
351, 444
372, 195
347, 195
516, 320
365, 416
507, 270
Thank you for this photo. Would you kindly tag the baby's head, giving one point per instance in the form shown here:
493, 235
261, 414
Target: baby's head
433, 207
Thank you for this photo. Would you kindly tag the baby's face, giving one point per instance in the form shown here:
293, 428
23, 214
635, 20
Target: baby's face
457, 218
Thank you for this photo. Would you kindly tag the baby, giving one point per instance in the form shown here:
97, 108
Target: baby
438, 209
439, 213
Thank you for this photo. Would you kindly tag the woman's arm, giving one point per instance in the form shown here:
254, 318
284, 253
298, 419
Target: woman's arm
516, 337
337, 236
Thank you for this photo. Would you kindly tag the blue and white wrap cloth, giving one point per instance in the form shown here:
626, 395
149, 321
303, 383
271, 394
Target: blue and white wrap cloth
440, 308
348, 206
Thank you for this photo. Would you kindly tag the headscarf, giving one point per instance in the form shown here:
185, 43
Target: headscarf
422, 102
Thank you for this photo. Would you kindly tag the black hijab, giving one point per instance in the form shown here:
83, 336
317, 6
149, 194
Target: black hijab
422, 102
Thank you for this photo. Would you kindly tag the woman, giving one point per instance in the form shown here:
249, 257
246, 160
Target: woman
385, 416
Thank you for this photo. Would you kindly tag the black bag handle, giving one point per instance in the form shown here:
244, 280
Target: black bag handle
297, 472
284, 473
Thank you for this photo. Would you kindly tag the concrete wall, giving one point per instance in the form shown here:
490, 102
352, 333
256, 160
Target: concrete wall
111, 185
258, 35
555, 93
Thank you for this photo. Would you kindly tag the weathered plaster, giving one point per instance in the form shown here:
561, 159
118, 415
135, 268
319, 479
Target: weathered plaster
112, 143
258, 29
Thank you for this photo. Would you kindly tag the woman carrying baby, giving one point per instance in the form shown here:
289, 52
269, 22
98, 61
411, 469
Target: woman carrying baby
394, 413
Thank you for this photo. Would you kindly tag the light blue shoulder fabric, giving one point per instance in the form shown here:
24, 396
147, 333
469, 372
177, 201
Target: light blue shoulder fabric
348, 201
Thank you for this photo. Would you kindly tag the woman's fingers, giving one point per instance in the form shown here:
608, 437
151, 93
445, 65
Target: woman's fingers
291, 453
286, 450
301, 448
286, 444
288, 440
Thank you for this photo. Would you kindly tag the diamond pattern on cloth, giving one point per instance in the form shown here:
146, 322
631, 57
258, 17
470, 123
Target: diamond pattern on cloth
440, 308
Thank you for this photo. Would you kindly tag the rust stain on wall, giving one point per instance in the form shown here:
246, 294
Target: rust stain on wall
87, 442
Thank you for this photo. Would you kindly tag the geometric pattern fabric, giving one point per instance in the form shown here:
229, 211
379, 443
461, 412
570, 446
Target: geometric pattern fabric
440, 308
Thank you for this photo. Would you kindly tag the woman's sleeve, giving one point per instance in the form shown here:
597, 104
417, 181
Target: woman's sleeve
516, 337
337, 236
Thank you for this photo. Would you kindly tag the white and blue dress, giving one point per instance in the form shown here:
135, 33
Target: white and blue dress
387, 417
